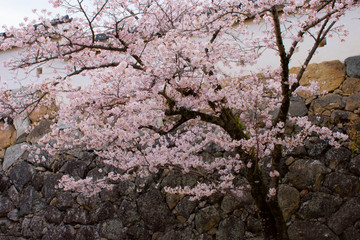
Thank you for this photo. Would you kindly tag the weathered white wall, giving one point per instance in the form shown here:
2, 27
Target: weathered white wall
334, 49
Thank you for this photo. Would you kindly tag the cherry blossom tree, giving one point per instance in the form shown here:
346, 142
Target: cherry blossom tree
167, 78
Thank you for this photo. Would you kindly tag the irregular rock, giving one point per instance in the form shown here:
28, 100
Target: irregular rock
297, 107
53, 215
206, 219
229, 204
86, 233
77, 215
154, 210
64, 201
350, 86
21, 174
13, 194
174, 179
62, 232
128, 212
306, 174
316, 147
74, 168
341, 116
351, 233
30, 201
353, 102
172, 200
5, 206
289, 199
39, 131
185, 207
353, 66
101, 212
231, 228
13, 154
50, 182
13, 215
21, 124
343, 184
4, 182
337, 158
176, 235
328, 102
306, 230
112, 229
345, 216
328, 75
7, 135
33, 227
138, 231
354, 166
320, 205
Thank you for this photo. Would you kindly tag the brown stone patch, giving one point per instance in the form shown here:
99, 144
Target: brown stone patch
329, 76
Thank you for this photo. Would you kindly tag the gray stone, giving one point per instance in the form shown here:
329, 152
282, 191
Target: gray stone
77, 215
64, 200
21, 174
328, 102
13, 194
229, 204
4, 182
13, 154
354, 166
306, 174
319, 205
128, 212
101, 212
185, 207
231, 228
343, 184
30, 201
74, 168
53, 215
21, 124
174, 179
351, 233
306, 230
297, 107
49, 190
207, 218
39, 131
353, 102
289, 199
176, 235
5, 206
316, 147
13, 215
348, 213
337, 158
86, 233
63, 232
38, 181
353, 66
341, 116
138, 232
154, 210
112, 229
33, 227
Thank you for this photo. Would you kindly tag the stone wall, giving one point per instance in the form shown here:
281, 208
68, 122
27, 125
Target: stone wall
319, 194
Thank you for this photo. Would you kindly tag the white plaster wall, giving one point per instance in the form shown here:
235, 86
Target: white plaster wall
334, 49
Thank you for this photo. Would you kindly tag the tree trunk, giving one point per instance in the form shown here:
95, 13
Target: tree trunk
274, 225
